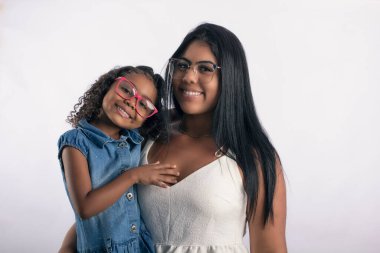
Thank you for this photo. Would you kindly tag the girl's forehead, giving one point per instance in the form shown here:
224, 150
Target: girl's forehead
144, 85
138, 78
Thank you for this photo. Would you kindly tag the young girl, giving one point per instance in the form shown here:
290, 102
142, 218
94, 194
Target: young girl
99, 158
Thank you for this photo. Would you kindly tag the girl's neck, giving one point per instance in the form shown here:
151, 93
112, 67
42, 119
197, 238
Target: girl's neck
107, 127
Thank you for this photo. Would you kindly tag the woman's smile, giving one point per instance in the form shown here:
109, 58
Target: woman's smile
190, 93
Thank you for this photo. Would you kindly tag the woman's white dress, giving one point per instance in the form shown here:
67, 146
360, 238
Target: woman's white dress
205, 212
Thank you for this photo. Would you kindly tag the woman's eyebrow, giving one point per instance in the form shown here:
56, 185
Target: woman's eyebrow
203, 61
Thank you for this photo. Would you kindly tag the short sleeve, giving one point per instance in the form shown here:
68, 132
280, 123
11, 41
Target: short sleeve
73, 138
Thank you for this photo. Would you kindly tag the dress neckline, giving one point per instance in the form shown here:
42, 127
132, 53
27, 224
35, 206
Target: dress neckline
150, 143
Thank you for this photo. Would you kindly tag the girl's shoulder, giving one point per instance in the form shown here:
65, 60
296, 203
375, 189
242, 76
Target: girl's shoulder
72, 134
73, 138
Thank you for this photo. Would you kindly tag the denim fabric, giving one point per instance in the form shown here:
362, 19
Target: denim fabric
118, 228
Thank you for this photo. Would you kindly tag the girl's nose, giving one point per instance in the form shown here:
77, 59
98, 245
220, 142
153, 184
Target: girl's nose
130, 103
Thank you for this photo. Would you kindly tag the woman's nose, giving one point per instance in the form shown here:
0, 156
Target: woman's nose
191, 75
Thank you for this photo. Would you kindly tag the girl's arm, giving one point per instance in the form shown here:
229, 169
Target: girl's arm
89, 202
271, 237
69, 243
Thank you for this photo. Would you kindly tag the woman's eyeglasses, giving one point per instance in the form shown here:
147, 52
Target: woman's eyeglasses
205, 70
127, 90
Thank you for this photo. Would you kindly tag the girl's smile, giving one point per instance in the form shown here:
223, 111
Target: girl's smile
123, 113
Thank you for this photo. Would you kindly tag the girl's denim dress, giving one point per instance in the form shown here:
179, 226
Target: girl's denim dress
119, 228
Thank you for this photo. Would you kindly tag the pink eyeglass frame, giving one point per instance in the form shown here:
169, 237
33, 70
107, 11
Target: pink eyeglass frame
136, 95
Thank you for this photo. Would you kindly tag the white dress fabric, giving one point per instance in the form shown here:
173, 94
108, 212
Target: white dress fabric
203, 213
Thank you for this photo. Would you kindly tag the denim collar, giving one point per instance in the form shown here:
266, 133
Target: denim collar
100, 138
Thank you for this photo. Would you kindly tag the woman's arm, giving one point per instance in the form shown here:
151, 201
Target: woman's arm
88, 202
271, 237
69, 243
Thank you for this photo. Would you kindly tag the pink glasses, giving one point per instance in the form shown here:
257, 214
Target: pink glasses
127, 90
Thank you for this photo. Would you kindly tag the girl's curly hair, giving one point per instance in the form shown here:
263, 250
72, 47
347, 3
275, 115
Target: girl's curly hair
89, 105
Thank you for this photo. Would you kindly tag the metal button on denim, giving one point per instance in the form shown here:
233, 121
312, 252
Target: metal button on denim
133, 228
129, 195
122, 144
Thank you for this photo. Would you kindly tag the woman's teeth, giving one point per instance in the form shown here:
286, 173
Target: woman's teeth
191, 93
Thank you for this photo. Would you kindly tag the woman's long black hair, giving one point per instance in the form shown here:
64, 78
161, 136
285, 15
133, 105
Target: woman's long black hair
89, 105
236, 126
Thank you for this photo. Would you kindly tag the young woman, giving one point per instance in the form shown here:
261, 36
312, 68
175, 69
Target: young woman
230, 173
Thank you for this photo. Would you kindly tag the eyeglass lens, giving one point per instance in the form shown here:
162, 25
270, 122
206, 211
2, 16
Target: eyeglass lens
204, 70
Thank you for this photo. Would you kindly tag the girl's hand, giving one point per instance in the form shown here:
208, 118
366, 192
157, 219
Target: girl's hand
88, 202
162, 175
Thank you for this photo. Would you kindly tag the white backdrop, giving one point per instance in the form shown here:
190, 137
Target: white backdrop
315, 74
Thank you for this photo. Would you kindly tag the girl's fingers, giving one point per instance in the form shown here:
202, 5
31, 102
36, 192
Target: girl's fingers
161, 184
159, 166
169, 179
170, 172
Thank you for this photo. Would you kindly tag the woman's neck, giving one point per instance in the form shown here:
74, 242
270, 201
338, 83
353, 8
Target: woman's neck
196, 125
